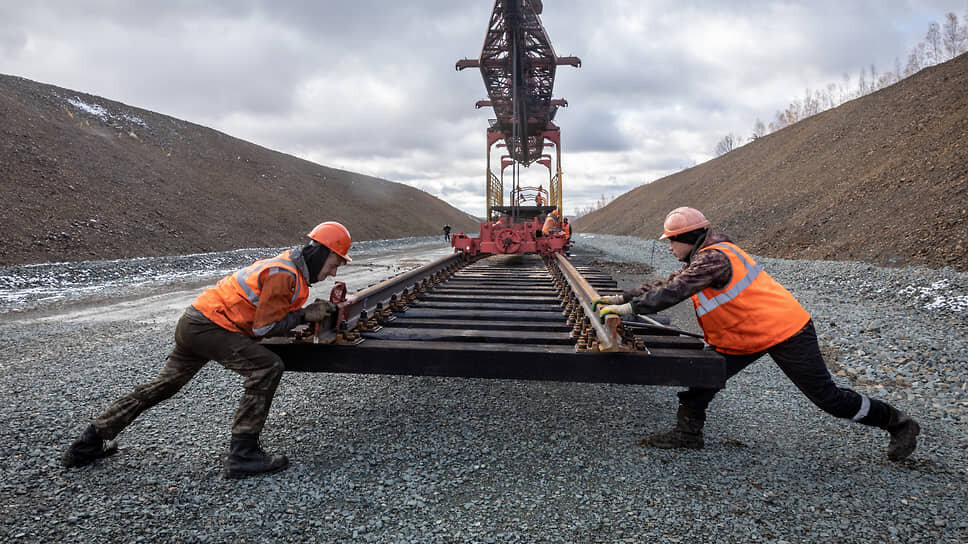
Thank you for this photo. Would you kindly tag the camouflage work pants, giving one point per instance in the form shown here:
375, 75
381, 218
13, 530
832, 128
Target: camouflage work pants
198, 341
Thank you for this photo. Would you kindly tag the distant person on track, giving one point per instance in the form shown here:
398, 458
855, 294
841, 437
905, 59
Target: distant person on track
746, 314
224, 324
447, 233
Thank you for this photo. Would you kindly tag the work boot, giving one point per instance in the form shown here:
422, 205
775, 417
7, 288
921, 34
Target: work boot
246, 458
904, 435
686, 434
88, 448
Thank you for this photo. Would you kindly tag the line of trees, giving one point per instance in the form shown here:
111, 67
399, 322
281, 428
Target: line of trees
941, 43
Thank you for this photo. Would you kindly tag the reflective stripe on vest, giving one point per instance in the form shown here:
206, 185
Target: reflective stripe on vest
242, 277
707, 305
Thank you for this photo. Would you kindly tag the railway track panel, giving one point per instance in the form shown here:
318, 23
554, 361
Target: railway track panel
500, 317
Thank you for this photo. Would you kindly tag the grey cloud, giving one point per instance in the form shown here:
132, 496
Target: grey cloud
187, 58
12, 41
592, 129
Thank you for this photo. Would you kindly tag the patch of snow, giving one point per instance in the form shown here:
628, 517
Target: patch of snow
94, 109
134, 119
937, 295
103, 114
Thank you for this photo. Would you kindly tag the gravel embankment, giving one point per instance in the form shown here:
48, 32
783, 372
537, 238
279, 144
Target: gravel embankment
398, 459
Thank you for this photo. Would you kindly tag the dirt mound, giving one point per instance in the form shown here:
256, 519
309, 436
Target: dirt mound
881, 179
84, 177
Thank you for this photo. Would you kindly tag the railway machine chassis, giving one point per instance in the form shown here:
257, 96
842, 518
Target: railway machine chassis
499, 317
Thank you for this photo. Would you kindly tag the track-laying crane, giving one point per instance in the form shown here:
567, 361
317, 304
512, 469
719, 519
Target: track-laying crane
518, 65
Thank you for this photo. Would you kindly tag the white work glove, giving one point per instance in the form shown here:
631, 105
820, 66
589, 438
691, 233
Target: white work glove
617, 309
605, 301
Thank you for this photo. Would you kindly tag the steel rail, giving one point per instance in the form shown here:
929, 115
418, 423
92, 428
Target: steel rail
379, 299
608, 339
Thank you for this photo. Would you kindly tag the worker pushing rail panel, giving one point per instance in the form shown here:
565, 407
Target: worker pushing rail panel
518, 66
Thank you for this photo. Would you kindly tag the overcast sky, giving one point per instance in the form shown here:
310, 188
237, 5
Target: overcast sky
370, 86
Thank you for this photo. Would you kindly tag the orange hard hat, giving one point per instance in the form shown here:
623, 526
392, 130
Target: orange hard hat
554, 213
681, 220
334, 236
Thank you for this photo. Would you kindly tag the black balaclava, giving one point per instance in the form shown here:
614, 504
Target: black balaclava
695, 238
315, 255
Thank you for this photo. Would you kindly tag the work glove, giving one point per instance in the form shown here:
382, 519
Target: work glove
606, 300
617, 309
319, 310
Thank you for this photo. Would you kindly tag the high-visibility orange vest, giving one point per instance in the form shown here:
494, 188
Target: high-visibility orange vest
231, 303
550, 226
752, 313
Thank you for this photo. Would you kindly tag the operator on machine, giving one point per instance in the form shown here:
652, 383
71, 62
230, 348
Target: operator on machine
551, 224
745, 314
224, 324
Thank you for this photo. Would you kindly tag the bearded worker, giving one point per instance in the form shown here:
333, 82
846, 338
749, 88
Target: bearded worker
224, 324
745, 314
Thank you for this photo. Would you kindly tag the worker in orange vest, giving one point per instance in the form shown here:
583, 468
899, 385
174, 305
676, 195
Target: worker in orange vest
538, 199
224, 324
551, 224
746, 314
566, 227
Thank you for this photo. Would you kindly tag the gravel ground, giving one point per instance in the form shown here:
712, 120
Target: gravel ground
398, 459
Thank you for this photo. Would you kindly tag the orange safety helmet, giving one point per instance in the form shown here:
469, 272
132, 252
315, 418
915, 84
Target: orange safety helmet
334, 236
554, 213
681, 220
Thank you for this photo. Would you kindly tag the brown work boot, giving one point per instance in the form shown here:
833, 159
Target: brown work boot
87, 449
904, 435
686, 434
246, 458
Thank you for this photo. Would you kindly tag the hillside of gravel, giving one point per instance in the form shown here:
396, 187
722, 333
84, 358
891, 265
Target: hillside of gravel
398, 459
86, 177
881, 179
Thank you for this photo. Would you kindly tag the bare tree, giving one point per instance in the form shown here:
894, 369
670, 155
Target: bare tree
916, 60
759, 129
777, 122
862, 83
933, 41
727, 144
831, 95
952, 36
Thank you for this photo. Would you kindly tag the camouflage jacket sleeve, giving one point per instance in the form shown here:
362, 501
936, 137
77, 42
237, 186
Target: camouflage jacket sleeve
707, 269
